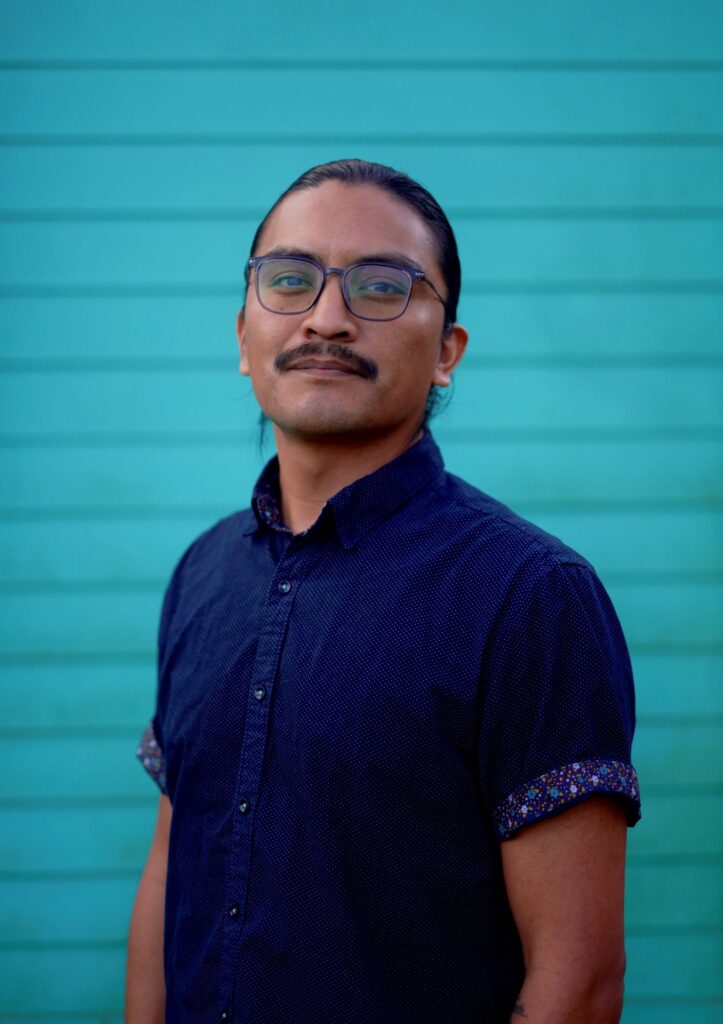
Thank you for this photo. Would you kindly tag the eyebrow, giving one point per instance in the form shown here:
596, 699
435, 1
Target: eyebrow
390, 256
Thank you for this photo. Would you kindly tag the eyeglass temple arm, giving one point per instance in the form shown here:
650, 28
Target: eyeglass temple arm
423, 277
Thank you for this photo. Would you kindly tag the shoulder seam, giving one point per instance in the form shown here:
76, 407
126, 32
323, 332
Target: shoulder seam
534, 542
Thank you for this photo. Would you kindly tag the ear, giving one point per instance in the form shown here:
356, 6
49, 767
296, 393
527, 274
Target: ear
451, 350
241, 339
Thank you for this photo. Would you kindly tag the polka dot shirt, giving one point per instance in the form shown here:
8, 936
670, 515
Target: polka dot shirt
350, 721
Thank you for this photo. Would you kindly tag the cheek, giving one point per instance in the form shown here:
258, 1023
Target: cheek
261, 347
412, 360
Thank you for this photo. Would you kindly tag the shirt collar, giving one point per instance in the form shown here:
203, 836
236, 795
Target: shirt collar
362, 504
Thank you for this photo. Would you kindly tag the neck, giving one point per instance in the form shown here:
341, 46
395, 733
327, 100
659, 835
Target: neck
313, 470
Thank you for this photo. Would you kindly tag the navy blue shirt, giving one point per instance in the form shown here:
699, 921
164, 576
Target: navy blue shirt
349, 722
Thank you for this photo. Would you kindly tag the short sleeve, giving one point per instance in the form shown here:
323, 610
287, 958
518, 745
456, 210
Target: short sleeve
558, 702
150, 754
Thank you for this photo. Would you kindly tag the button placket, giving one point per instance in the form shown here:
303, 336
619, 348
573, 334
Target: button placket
298, 559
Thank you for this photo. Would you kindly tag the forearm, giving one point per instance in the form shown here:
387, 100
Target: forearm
551, 996
145, 984
565, 878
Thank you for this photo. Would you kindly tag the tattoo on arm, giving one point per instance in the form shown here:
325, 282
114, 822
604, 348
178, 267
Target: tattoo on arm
518, 1010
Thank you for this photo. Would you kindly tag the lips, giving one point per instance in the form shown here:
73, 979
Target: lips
323, 364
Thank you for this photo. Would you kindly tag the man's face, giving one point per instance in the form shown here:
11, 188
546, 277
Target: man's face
396, 361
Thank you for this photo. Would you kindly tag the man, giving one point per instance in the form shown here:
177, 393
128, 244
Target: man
394, 718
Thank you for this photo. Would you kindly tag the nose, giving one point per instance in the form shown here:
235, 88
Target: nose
329, 316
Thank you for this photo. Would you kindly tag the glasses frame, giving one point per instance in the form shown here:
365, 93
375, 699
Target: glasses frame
413, 274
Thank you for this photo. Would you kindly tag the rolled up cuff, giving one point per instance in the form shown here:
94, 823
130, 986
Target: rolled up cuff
560, 788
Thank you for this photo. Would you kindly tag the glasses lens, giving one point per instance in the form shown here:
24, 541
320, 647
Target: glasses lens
287, 285
376, 291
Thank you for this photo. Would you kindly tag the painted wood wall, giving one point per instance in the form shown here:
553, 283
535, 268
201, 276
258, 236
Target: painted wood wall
577, 148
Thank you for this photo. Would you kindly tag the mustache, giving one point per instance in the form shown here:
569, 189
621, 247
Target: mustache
334, 350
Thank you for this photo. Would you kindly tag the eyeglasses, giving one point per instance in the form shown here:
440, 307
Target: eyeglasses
371, 290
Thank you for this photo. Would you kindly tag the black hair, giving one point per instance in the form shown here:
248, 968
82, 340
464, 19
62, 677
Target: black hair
363, 172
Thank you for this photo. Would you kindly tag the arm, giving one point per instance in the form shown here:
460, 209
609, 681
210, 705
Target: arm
565, 880
145, 984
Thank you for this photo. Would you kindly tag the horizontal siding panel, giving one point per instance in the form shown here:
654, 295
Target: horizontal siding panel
227, 180
180, 327
261, 101
664, 541
680, 1011
39, 29
681, 896
674, 966
158, 330
65, 1018
89, 911
98, 910
594, 327
588, 472
80, 840
666, 755
107, 696
72, 768
562, 398
95, 697
111, 552
203, 476
92, 402
679, 684
682, 616
491, 398
675, 828
69, 767
41, 981
88, 402
213, 253
94, 551
69, 623
217, 477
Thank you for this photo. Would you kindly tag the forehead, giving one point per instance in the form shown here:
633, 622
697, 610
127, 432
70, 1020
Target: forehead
340, 223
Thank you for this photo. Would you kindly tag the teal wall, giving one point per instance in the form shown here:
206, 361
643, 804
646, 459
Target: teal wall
578, 149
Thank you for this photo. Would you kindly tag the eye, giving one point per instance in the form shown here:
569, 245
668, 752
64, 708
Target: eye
289, 281
374, 282
381, 287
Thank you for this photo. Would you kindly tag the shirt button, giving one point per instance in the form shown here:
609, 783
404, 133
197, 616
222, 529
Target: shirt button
259, 692
224, 1015
244, 806
234, 910
284, 586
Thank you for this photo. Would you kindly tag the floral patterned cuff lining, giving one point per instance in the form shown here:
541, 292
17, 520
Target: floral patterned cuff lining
563, 787
151, 757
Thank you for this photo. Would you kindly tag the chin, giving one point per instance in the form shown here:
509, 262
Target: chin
326, 423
